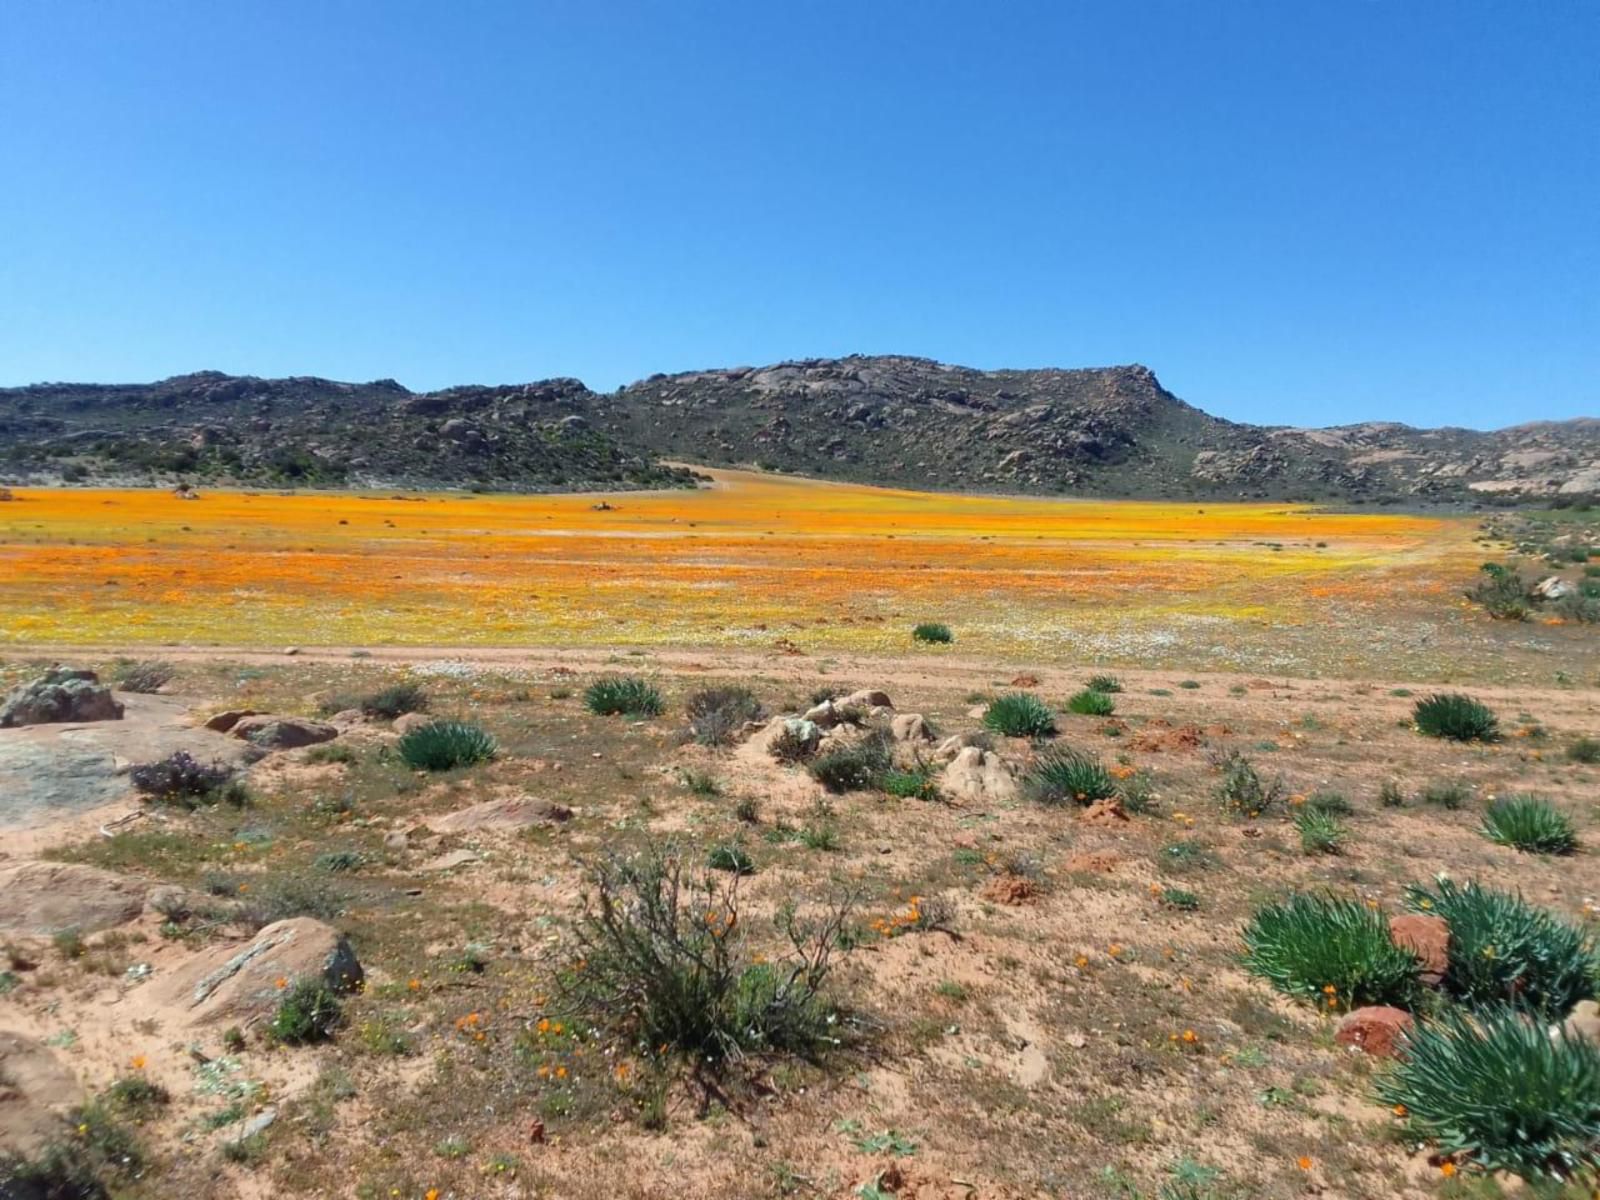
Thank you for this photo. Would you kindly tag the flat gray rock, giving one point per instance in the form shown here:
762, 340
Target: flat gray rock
52, 771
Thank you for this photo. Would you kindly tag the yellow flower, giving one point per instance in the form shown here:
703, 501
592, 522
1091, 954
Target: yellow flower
137, 1062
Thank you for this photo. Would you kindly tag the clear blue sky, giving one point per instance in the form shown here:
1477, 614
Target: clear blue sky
1292, 212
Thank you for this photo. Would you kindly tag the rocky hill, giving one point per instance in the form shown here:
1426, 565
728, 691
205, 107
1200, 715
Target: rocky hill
310, 432
895, 420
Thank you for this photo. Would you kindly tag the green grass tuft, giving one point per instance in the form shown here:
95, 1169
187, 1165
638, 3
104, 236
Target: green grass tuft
934, 633
1504, 950
1090, 703
1068, 777
1332, 952
445, 745
1499, 1088
1454, 717
1530, 824
1018, 714
625, 694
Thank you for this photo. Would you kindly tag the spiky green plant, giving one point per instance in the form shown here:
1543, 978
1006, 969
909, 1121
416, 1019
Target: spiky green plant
1104, 683
625, 694
933, 632
1068, 777
1498, 1087
445, 745
1017, 714
1320, 832
1455, 717
395, 700
1090, 703
1504, 950
1331, 951
1244, 791
1529, 823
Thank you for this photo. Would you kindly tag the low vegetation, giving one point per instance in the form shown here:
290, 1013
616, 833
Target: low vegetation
1019, 714
446, 745
1329, 951
624, 695
1455, 717
181, 780
1529, 823
934, 633
1066, 776
716, 715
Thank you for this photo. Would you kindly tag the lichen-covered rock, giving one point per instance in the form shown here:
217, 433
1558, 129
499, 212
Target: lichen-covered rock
60, 696
243, 984
283, 733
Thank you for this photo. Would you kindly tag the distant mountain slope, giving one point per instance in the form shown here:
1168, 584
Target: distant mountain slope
312, 432
895, 420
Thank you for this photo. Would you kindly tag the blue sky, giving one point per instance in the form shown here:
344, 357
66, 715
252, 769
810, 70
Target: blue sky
1292, 212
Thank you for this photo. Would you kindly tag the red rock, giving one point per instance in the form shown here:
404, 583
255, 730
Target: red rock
1377, 1029
1105, 812
1428, 937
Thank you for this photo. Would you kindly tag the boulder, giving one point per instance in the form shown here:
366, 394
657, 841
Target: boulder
823, 716
224, 721
1428, 937
60, 696
282, 733
867, 698
1377, 1029
513, 812
40, 899
243, 984
910, 727
955, 744
806, 734
977, 776
1552, 588
407, 722
1583, 1021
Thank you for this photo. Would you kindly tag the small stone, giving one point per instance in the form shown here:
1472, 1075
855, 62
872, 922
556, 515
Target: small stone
291, 651
1376, 1029
1584, 1021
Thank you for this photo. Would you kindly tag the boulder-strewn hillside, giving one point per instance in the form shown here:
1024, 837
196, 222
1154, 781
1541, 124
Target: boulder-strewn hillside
889, 419
317, 433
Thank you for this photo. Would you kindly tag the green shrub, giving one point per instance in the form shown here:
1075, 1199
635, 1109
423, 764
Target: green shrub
1530, 824
1090, 703
335, 861
1447, 793
1018, 714
1189, 685
729, 857
1104, 683
717, 714
933, 632
1391, 795
916, 783
181, 780
308, 1012
1504, 950
1068, 777
664, 964
1243, 791
1497, 1087
1504, 593
625, 694
701, 784
145, 678
1320, 832
1186, 856
1584, 750
394, 701
1455, 717
1180, 898
852, 768
445, 745
1333, 952
1332, 803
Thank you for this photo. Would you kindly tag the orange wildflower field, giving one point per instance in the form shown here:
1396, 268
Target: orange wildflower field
753, 560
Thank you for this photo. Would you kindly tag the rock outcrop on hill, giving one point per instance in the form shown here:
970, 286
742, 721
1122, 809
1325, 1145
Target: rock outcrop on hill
894, 420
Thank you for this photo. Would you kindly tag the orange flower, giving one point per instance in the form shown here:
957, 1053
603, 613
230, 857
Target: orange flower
431, 1194
1400, 1110
1114, 949
1447, 1168
280, 982
1304, 1163
1190, 1036
415, 985
137, 1062
561, 1072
